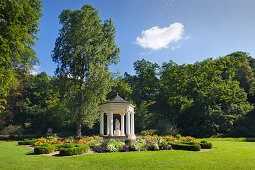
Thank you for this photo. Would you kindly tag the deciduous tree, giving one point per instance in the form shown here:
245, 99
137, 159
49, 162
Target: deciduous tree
84, 51
18, 29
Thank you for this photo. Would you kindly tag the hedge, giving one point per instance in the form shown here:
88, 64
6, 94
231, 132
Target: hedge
75, 150
44, 149
193, 147
205, 145
58, 146
26, 142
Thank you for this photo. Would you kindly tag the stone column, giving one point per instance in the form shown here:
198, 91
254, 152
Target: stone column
132, 124
108, 124
122, 133
128, 123
102, 123
111, 123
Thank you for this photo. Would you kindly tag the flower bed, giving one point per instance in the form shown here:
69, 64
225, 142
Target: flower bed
146, 143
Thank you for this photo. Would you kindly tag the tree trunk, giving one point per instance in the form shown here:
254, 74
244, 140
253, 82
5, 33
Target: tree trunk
78, 130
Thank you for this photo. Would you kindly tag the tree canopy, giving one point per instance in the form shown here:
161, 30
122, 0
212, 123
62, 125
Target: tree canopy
18, 29
84, 51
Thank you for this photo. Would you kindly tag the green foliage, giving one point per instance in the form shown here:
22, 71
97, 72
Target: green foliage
194, 147
121, 88
58, 146
206, 145
19, 27
145, 83
128, 141
84, 51
74, 150
152, 147
44, 149
244, 126
206, 97
12, 130
203, 141
149, 132
163, 145
26, 142
143, 118
178, 136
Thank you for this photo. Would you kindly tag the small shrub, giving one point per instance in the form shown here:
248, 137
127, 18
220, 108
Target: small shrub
12, 130
119, 145
74, 150
111, 148
178, 136
149, 132
206, 145
44, 149
203, 141
128, 141
194, 147
142, 146
163, 145
152, 147
100, 149
134, 147
125, 148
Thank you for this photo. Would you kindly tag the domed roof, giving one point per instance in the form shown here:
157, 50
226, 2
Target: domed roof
118, 99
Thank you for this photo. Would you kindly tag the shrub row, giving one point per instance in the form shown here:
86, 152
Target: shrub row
73, 150
193, 147
44, 149
58, 146
26, 142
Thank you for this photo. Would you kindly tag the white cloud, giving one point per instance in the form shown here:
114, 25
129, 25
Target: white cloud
157, 38
34, 70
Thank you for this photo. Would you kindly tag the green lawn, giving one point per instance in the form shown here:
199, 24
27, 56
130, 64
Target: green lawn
229, 155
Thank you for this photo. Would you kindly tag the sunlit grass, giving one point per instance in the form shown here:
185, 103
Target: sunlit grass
229, 155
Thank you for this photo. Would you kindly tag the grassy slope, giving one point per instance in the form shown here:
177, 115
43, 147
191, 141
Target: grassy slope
230, 155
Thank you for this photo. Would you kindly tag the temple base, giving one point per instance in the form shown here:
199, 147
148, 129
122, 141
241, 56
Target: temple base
132, 137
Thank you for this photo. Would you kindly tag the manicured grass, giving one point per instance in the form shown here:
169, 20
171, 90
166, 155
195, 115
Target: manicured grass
229, 155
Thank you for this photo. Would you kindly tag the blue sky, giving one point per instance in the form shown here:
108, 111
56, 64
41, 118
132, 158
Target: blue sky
184, 31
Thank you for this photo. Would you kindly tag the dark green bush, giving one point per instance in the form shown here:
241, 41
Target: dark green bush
194, 147
68, 145
58, 146
203, 141
75, 150
206, 145
44, 149
26, 142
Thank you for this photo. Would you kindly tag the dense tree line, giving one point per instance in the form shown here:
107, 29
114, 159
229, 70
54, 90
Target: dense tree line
212, 97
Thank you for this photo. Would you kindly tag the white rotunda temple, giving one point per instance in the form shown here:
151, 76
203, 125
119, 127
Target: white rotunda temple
125, 109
